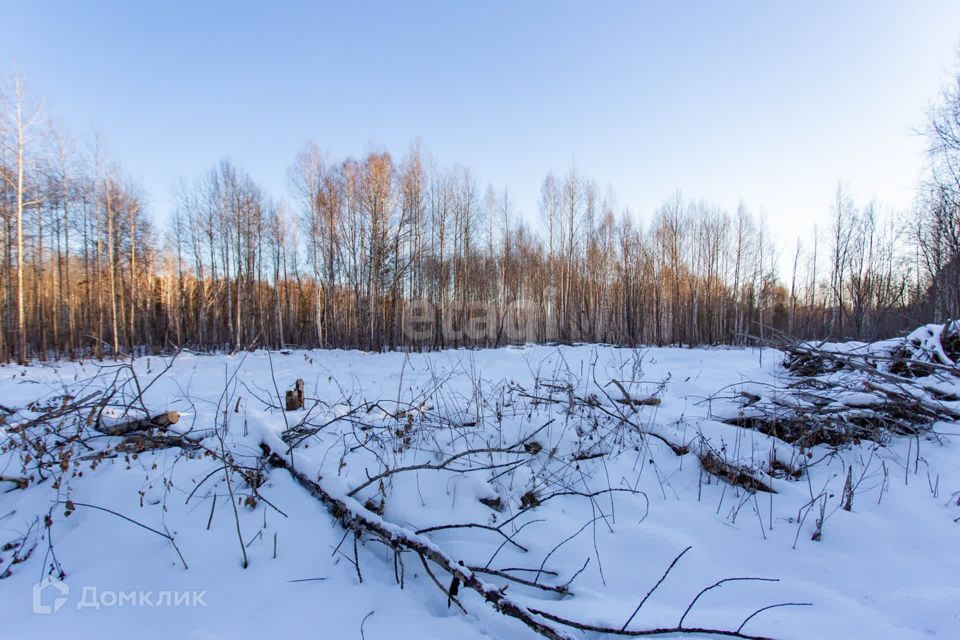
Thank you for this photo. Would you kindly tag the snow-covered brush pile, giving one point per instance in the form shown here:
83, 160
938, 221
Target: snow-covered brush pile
837, 393
929, 350
557, 492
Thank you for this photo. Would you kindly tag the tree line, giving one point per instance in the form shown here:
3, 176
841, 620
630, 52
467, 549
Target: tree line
386, 252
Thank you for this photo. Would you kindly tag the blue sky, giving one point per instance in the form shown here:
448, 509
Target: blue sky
770, 103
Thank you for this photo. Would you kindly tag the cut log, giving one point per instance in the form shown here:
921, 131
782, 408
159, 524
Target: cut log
160, 421
735, 475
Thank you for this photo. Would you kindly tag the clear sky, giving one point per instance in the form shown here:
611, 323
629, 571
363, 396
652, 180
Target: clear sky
770, 103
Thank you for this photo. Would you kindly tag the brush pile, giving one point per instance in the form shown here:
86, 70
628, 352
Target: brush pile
840, 393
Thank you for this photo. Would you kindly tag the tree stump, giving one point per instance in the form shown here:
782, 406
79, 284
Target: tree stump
295, 396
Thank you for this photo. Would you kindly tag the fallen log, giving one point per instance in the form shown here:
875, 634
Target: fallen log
140, 442
353, 517
735, 475
161, 421
627, 399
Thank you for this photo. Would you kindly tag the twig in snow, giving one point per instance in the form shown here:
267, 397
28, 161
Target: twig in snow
654, 587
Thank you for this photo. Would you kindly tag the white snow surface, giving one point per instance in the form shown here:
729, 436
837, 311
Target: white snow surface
889, 568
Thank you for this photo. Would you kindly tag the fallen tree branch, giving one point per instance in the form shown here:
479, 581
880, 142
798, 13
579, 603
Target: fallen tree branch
160, 421
70, 504
658, 631
445, 463
720, 583
562, 589
737, 476
354, 517
654, 588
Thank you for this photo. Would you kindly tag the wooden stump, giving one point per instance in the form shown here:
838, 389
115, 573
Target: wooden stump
295, 396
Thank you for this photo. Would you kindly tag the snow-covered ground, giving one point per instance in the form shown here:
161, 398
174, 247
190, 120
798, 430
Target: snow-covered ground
607, 500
